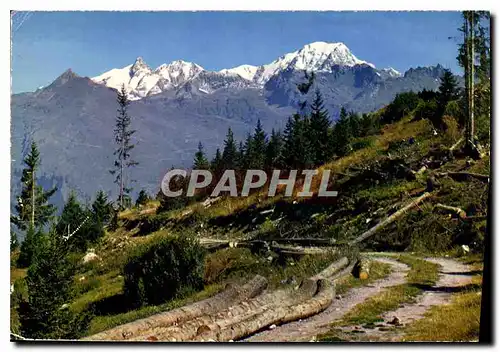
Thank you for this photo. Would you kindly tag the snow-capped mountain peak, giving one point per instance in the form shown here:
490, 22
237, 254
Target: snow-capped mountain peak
140, 66
140, 80
390, 72
245, 71
179, 68
317, 56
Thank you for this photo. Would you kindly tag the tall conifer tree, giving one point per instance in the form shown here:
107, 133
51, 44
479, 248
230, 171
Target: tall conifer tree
123, 134
318, 132
200, 160
32, 208
229, 153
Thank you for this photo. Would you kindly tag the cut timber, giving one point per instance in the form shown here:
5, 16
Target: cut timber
299, 251
252, 315
454, 146
228, 297
260, 245
362, 269
231, 314
390, 219
283, 313
465, 175
421, 170
332, 269
454, 210
303, 241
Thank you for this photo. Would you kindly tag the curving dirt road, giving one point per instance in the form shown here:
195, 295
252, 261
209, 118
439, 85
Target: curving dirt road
306, 329
452, 275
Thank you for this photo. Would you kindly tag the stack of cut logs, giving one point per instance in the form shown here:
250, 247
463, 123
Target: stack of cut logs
237, 312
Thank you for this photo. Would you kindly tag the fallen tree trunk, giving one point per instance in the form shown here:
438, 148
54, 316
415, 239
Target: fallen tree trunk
299, 251
303, 241
332, 269
228, 297
454, 210
390, 219
278, 307
420, 171
278, 315
454, 146
190, 329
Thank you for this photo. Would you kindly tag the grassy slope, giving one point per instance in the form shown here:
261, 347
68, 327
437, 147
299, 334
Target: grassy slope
358, 206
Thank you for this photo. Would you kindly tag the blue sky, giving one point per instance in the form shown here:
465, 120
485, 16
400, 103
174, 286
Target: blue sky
45, 44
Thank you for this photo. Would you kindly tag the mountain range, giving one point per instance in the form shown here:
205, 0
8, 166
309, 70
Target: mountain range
177, 105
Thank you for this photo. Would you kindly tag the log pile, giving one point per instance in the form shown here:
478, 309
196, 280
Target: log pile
235, 313
231, 295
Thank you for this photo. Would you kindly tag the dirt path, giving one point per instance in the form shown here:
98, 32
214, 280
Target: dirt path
453, 275
305, 330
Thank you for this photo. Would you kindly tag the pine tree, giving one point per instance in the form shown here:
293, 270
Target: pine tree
142, 198
298, 152
123, 134
342, 134
46, 315
229, 153
249, 151
258, 150
367, 125
200, 160
240, 160
354, 124
76, 226
448, 88
32, 208
101, 208
448, 91
318, 131
274, 152
216, 166
28, 247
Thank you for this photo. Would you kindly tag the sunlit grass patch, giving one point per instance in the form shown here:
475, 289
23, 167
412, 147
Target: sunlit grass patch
458, 321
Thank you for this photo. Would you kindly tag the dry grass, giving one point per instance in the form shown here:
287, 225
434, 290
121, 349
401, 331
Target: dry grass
135, 212
17, 273
458, 321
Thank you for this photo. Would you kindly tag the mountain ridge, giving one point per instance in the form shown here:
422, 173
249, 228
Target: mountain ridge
141, 81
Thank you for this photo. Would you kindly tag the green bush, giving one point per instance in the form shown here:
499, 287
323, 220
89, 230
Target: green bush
454, 109
362, 143
426, 110
163, 269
